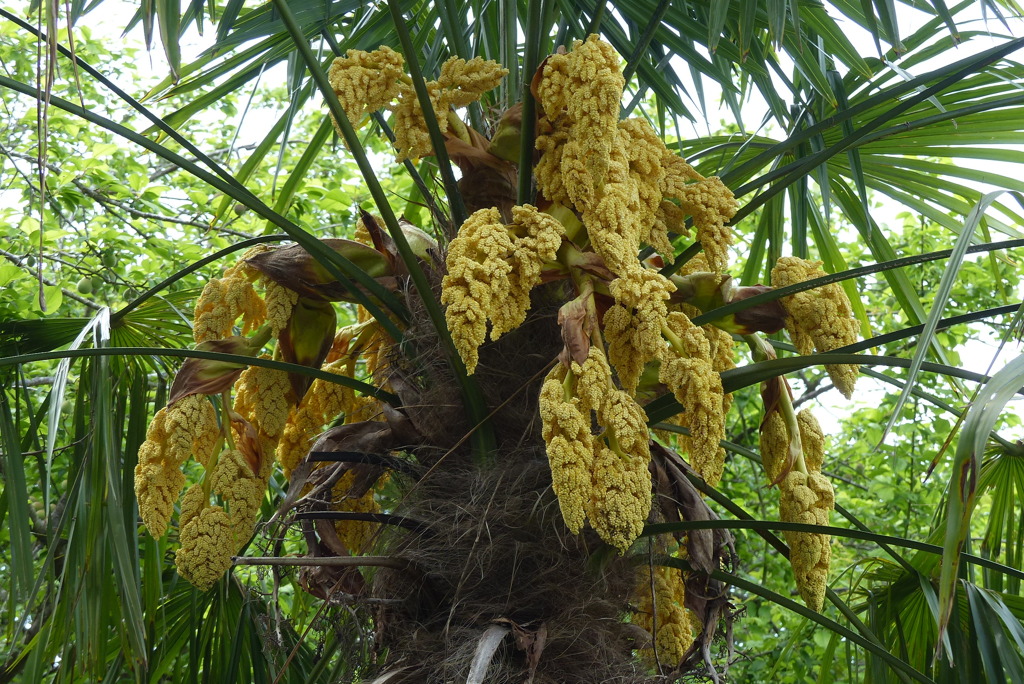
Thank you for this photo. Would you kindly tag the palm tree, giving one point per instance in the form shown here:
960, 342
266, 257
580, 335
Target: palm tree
427, 520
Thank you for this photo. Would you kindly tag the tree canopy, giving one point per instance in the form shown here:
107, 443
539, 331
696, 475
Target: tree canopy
511, 341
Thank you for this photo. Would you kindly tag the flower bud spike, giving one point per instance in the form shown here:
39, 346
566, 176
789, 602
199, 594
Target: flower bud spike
294, 268
308, 338
209, 376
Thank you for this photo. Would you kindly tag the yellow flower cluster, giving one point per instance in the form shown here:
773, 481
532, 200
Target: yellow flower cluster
206, 539
774, 441
263, 396
626, 338
462, 82
226, 298
637, 318
619, 175
621, 497
491, 270
605, 478
645, 152
280, 301
630, 189
820, 319
234, 481
585, 86
222, 301
367, 81
687, 369
712, 206
663, 615
211, 534
721, 342
323, 402
355, 534
805, 496
412, 137
570, 447
187, 428
812, 438
263, 420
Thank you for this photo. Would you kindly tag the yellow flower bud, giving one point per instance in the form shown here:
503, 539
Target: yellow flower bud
774, 442
697, 386
186, 428
222, 301
491, 270
263, 396
812, 438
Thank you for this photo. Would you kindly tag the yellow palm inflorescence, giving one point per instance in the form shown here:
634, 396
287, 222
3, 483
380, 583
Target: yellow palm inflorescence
355, 534
774, 441
367, 81
820, 319
619, 182
491, 270
663, 615
322, 403
263, 396
219, 513
602, 478
222, 301
570, 447
206, 540
620, 497
687, 369
805, 496
187, 428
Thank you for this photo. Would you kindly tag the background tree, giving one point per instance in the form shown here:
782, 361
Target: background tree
115, 219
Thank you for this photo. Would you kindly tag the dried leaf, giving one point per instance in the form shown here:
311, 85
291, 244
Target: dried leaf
686, 503
248, 442
576, 327
530, 641
328, 534
296, 486
324, 580
709, 601
594, 265
534, 647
